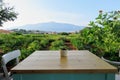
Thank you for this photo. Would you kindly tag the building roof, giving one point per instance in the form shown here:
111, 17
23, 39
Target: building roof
5, 31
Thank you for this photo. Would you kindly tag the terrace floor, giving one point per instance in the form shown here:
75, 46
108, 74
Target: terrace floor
118, 76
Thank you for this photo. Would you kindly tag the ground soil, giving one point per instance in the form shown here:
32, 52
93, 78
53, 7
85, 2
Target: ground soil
70, 46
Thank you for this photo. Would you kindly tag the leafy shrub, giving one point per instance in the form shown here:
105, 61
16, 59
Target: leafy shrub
44, 43
102, 37
56, 44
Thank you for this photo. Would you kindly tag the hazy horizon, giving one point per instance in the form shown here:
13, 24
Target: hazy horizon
77, 12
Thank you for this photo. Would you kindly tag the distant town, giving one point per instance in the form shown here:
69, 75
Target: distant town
23, 31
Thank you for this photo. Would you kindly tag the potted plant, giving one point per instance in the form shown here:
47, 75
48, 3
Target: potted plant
111, 49
63, 51
112, 56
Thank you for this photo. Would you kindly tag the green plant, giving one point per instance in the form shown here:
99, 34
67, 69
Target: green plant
44, 43
7, 14
63, 47
103, 37
109, 34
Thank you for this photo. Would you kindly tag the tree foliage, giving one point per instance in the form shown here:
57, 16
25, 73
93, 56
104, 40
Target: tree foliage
103, 37
7, 14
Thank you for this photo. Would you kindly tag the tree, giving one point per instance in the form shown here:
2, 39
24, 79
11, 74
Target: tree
109, 34
6, 13
103, 36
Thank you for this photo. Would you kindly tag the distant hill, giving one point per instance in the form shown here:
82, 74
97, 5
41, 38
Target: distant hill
52, 26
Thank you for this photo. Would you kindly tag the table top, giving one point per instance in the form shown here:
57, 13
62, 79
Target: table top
76, 61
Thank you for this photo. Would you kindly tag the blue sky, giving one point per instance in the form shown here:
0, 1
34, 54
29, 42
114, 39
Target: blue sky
78, 12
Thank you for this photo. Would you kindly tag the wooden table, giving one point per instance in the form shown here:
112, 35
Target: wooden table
49, 65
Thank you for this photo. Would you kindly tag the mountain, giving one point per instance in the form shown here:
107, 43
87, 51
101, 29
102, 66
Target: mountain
52, 26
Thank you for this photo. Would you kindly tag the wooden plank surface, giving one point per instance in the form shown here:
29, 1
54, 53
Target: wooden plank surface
51, 62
